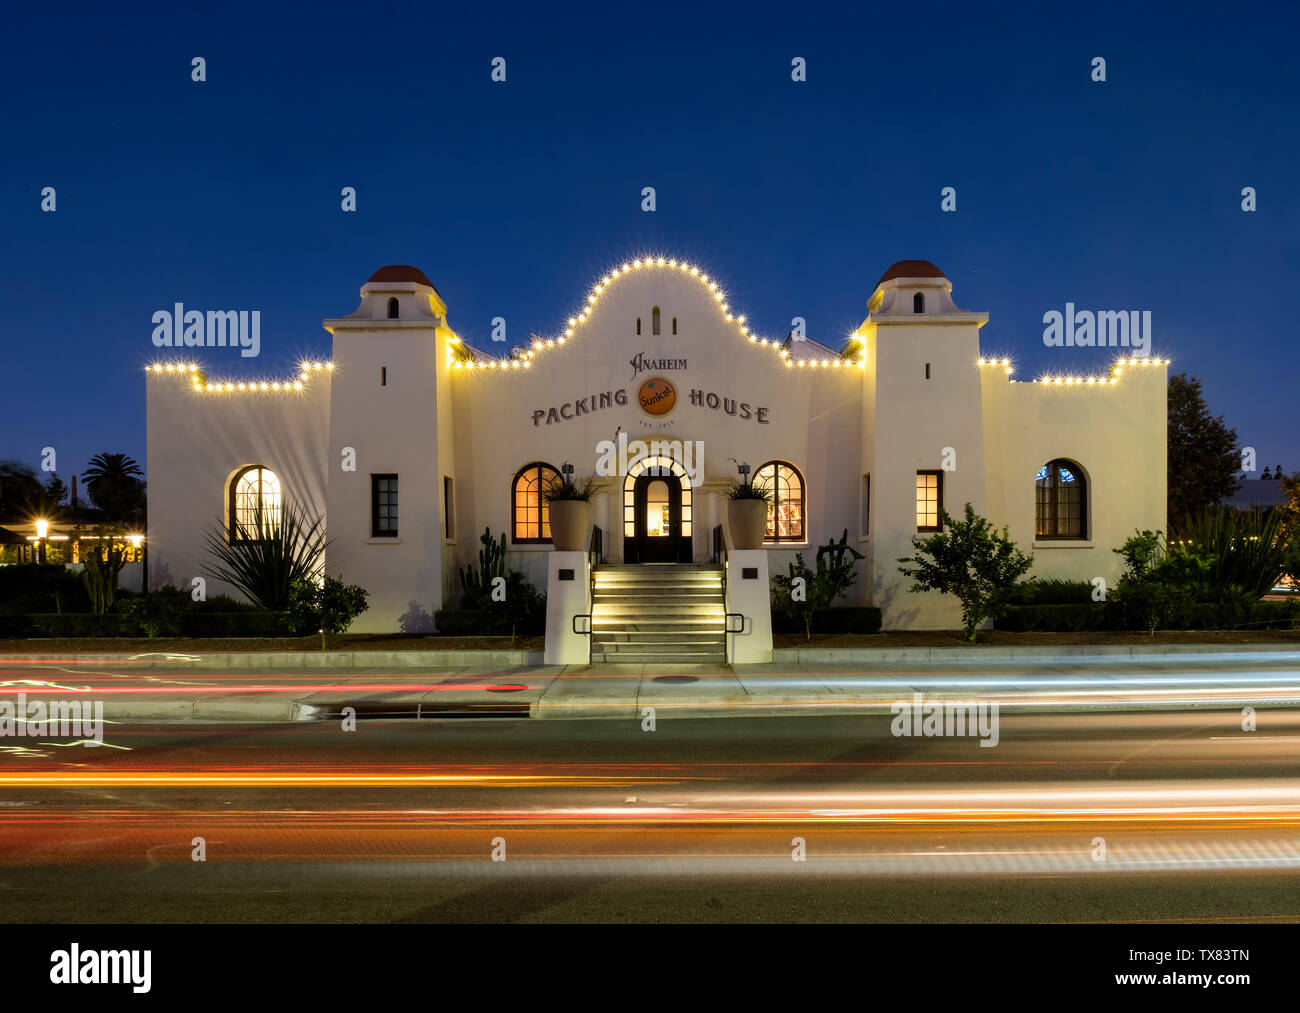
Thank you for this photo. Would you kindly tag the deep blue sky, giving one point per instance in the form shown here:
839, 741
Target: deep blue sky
513, 197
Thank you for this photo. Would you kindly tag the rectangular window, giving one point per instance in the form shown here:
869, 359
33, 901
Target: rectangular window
448, 507
929, 500
383, 376
383, 506
864, 522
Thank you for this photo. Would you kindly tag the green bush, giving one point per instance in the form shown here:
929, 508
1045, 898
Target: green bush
157, 614
459, 622
1075, 617
327, 608
117, 624
1051, 591
836, 619
522, 613
31, 587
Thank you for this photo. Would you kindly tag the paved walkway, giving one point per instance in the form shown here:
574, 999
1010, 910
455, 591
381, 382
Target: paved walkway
169, 691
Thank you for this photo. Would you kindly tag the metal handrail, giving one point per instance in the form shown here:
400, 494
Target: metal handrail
726, 622
574, 624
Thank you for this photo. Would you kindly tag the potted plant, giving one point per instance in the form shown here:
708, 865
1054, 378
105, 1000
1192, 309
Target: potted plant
568, 505
747, 513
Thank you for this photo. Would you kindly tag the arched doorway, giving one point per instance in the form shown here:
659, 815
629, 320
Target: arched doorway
657, 512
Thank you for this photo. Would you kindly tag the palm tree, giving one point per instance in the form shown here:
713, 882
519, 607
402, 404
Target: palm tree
113, 482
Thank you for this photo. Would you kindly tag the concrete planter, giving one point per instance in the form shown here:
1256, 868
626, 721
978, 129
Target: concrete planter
570, 524
748, 521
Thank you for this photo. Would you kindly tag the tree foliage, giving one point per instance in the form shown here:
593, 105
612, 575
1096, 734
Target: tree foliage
1204, 460
971, 560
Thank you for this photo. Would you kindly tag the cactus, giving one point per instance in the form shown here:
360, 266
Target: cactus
836, 550
491, 561
100, 575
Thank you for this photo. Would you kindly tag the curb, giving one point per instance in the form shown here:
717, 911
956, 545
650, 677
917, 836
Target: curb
297, 659
783, 655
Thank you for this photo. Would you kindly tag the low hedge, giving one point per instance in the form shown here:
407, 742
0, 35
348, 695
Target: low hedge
1110, 615
481, 623
112, 624
836, 619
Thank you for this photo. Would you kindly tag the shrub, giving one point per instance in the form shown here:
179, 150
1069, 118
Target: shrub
971, 560
1073, 617
1244, 551
265, 568
801, 592
157, 614
522, 612
1051, 591
328, 607
32, 587
836, 619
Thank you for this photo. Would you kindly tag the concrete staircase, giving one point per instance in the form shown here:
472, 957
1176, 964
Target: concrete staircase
672, 613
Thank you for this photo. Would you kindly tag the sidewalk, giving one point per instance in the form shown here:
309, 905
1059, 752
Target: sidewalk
167, 688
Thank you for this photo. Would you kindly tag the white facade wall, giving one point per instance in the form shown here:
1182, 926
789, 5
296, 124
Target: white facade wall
197, 441
432, 420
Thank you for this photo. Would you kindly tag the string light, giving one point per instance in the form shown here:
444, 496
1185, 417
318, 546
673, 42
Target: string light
199, 381
672, 264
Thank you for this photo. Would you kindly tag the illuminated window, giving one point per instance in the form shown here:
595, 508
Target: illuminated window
531, 523
929, 500
918, 303
383, 506
392, 309
255, 504
786, 509
1061, 495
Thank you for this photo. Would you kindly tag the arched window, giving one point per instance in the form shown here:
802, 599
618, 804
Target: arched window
918, 303
1062, 501
255, 504
654, 320
529, 520
392, 309
785, 512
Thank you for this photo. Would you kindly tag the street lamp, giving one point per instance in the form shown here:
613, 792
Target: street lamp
135, 541
42, 530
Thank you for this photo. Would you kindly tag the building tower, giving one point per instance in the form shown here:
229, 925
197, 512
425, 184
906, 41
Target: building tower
923, 439
391, 463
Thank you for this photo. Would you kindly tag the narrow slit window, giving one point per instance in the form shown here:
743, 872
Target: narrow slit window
654, 320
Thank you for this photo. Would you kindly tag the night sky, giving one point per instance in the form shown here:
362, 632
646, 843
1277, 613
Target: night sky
514, 197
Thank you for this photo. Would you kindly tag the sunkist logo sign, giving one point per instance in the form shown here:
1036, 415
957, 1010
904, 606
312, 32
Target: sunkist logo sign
657, 396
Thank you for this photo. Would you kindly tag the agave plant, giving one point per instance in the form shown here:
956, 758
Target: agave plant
1246, 550
264, 560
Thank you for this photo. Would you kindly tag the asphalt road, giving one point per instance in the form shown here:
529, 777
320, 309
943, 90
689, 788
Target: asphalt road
1079, 817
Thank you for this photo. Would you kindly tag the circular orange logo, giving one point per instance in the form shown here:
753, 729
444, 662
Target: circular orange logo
657, 396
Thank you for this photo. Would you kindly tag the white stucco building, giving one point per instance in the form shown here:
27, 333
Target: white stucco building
410, 443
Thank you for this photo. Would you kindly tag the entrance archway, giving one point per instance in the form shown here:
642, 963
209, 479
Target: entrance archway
657, 512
